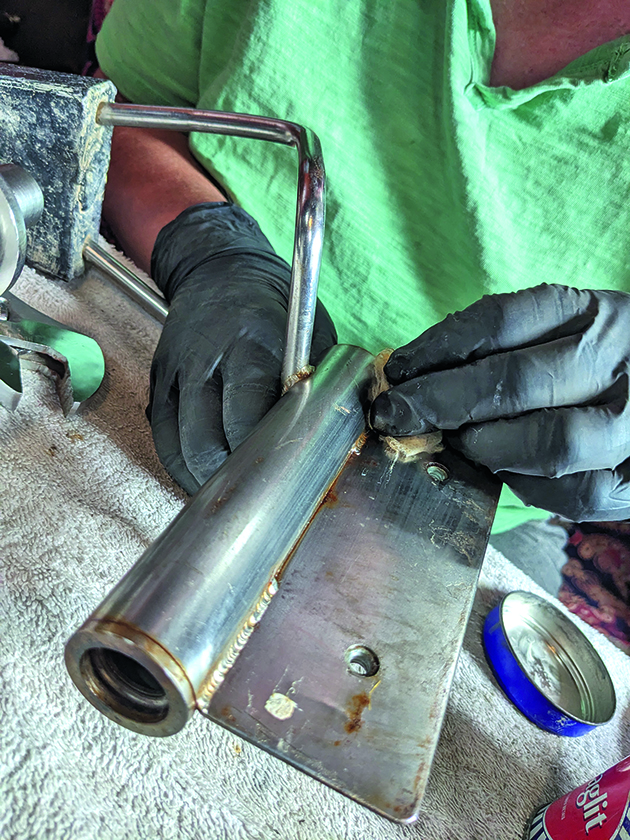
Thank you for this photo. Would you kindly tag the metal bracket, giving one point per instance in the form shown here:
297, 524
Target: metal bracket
347, 675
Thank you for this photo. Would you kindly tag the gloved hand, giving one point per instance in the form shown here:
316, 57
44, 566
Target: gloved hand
534, 385
216, 369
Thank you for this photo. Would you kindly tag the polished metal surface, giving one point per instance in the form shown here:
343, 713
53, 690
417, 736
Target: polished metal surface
139, 291
185, 610
31, 339
26, 192
21, 205
310, 211
348, 673
10, 377
558, 658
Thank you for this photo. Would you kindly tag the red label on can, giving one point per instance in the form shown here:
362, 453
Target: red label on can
597, 810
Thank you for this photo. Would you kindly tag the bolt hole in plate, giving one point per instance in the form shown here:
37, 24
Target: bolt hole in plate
546, 666
437, 472
361, 661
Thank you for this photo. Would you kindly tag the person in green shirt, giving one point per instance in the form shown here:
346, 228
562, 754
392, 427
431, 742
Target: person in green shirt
477, 163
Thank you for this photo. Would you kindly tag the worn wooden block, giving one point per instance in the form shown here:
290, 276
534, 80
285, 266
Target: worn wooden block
48, 126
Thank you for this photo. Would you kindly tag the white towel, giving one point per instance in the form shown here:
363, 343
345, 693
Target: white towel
80, 499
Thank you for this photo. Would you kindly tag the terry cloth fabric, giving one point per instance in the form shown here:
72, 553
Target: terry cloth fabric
80, 498
440, 188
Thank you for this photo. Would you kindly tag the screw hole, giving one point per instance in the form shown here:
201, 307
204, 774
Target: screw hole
437, 472
361, 661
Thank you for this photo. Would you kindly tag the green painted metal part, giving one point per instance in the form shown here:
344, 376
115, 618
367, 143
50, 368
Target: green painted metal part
85, 358
28, 336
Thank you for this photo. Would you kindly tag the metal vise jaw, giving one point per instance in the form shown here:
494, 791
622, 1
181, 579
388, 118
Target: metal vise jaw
48, 127
27, 337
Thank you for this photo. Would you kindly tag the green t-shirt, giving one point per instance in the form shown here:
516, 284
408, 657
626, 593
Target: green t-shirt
439, 188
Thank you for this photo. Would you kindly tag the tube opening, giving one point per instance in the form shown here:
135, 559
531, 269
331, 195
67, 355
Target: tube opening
124, 685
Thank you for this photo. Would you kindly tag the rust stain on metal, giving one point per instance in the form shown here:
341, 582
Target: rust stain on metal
420, 777
218, 503
296, 377
226, 713
331, 498
379, 802
354, 453
358, 703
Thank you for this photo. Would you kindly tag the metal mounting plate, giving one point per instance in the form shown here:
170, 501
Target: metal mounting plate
390, 562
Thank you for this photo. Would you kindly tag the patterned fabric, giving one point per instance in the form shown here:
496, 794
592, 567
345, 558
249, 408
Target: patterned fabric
99, 10
596, 585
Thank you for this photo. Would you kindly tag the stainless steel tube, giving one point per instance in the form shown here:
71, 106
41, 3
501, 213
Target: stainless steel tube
310, 212
161, 642
153, 303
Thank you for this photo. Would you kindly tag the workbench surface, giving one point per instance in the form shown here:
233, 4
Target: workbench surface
80, 499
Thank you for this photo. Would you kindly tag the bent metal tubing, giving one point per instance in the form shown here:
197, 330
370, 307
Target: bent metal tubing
310, 212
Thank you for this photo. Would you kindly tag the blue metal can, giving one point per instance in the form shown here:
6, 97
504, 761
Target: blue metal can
546, 666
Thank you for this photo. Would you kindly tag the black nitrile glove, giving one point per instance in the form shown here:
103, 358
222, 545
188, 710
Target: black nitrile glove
535, 386
216, 369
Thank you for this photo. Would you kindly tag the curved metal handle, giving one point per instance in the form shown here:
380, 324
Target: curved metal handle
309, 222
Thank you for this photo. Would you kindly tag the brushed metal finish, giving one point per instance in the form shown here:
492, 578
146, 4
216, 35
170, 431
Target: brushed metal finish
149, 300
197, 592
310, 210
388, 565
